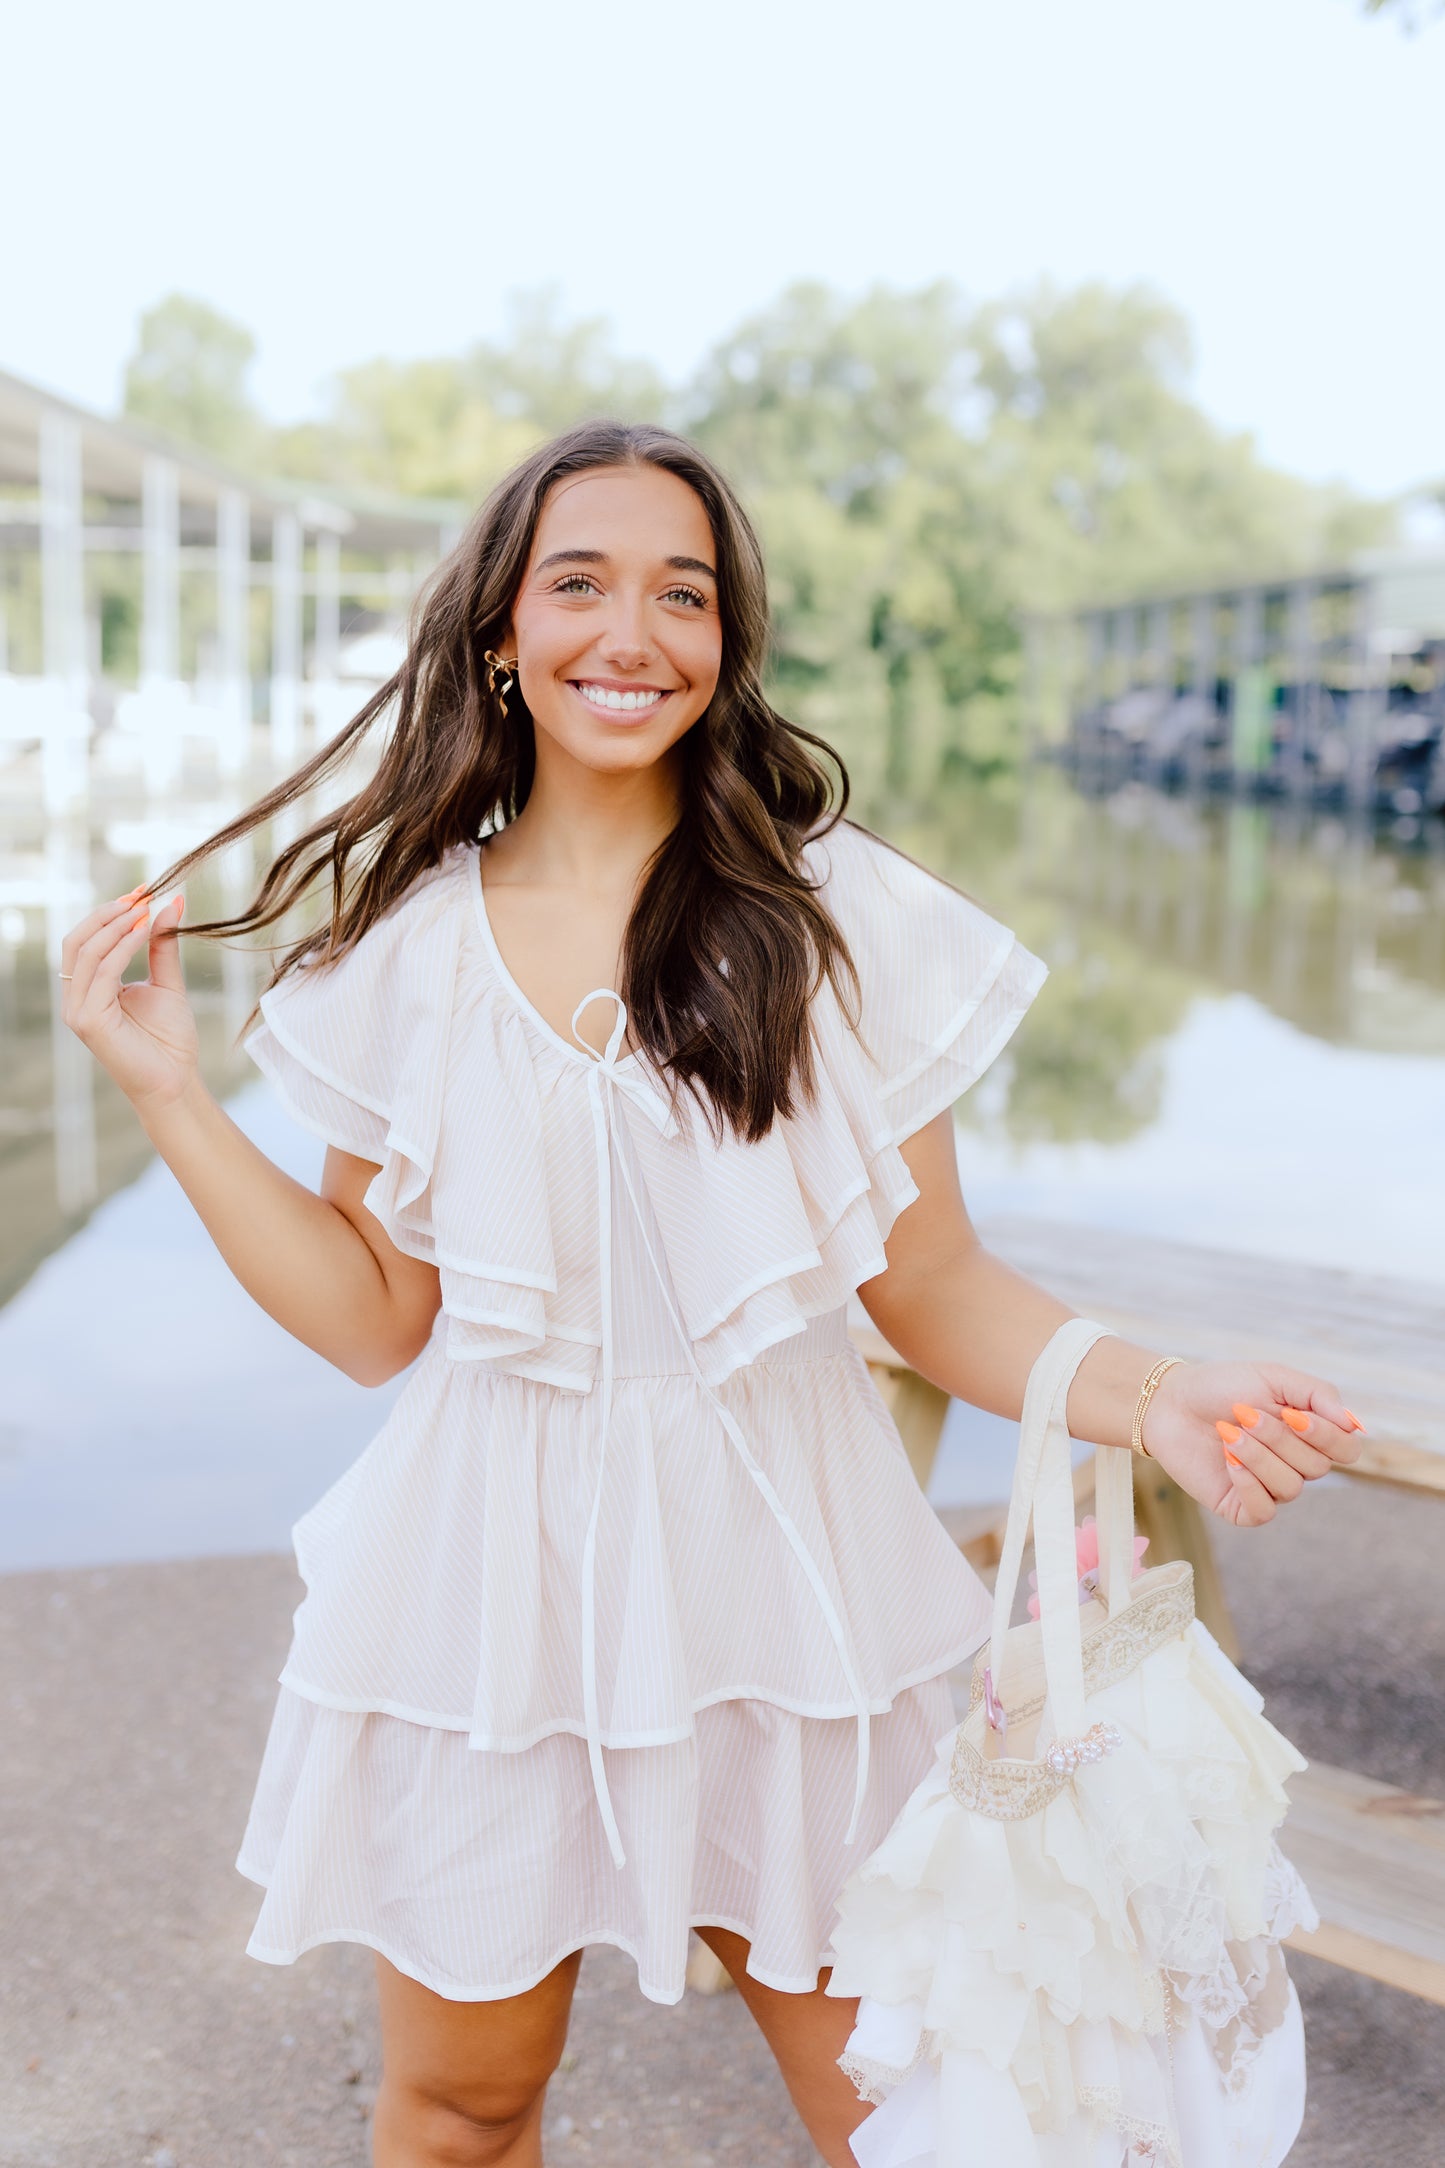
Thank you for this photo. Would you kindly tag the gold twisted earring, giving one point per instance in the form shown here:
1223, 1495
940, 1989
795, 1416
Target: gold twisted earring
508, 669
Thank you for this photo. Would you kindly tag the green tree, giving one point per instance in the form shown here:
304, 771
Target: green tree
1106, 479
925, 472
187, 376
839, 421
451, 426
411, 428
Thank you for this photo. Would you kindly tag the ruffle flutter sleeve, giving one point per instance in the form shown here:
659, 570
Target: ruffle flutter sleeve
358, 1050
942, 985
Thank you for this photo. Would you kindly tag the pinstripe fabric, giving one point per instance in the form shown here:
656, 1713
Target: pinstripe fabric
477, 1873
704, 1574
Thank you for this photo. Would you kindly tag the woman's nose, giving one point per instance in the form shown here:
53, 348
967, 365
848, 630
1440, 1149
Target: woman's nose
624, 642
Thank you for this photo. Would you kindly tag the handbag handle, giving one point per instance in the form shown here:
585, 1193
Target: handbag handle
1043, 1493
1114, 1518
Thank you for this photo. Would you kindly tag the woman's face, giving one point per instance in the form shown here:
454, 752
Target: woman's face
616, 626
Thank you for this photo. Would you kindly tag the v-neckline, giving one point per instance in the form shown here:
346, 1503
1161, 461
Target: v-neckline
586, 1055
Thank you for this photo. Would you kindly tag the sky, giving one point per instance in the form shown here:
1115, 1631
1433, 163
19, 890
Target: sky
371, 179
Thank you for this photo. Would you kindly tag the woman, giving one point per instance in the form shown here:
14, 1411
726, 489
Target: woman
633, 1062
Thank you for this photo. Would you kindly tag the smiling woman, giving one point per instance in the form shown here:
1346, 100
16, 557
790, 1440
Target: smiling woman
617, 656
635, 1064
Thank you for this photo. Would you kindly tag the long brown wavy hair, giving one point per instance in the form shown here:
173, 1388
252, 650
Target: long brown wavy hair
728, 941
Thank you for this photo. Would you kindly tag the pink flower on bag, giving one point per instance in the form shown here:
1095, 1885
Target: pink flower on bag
1086, 1550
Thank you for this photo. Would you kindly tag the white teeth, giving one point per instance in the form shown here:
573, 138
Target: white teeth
605, 696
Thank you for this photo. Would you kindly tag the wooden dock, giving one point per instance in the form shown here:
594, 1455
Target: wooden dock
1381, 1341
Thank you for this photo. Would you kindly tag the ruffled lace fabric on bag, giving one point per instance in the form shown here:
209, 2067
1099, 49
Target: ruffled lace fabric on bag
1099, 1982
639, 1484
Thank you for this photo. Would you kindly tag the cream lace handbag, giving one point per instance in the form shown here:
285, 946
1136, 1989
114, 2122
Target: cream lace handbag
1069, 1943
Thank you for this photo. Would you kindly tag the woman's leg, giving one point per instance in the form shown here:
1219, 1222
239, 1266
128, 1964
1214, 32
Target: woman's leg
463, 2082
807, 2034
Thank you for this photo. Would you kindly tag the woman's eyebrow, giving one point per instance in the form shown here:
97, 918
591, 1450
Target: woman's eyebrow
573, 557
599, 557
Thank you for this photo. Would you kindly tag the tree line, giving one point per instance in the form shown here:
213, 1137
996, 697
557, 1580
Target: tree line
924, 471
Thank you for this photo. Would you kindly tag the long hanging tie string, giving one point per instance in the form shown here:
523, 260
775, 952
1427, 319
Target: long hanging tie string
605, 1076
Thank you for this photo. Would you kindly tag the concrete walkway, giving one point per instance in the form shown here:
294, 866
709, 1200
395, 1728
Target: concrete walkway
133, 2029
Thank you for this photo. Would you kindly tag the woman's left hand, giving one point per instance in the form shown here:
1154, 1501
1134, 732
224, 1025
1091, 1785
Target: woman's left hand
1245, 1438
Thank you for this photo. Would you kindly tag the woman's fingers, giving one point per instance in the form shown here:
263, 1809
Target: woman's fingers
1340, 1443
1283, 1440
1251, 1503
1326, 1419
110, 968
121, 933
1246, 1455
165, 950
104, 914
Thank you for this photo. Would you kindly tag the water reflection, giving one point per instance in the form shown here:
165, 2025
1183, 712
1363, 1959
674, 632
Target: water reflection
1242, 1042
67, 892
67, 1137
1148, 908
1144, 904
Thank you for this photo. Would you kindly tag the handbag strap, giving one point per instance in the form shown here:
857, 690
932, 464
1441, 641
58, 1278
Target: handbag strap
1043, 1494
1114, 1517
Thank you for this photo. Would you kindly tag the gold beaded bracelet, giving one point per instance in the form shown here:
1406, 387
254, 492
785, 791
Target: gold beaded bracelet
1146, 1394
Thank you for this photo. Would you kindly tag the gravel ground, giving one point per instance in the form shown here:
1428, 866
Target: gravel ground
133, 2030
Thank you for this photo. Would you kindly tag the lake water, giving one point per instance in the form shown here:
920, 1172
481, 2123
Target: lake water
1241, 1043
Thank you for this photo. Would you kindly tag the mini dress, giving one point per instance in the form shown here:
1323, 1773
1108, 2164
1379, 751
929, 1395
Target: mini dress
632, 1616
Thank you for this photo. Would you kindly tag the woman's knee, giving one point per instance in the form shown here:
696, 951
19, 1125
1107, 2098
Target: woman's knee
470, 2125
463, 2083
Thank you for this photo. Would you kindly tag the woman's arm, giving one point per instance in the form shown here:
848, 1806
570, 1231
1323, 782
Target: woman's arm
320, 1265
968, 1321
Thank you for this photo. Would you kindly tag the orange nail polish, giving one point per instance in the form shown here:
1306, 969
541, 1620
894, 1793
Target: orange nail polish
1227, 1432
1233, 1459
1297, 1419
1357, 1423
1244, 1413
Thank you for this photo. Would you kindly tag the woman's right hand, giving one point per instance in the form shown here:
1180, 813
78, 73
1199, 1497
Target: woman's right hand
143, 1034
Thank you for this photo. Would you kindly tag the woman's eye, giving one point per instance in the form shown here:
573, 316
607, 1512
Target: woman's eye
575, 583
689, 595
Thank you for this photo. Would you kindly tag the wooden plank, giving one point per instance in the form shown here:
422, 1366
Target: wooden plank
1376, 1960
1178, 1527
1382, 1341
1373, 1858
1405, 1466
706, 1973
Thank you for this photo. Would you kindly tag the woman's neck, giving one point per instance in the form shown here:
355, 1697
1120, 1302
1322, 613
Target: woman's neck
589, 831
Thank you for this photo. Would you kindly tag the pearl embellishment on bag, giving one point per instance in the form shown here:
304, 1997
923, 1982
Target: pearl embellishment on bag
1066, 1755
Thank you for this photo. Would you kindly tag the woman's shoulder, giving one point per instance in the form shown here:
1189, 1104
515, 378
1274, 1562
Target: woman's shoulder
435, 893
427, 913
395, 978
869, 885
941, 983
357, 1044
